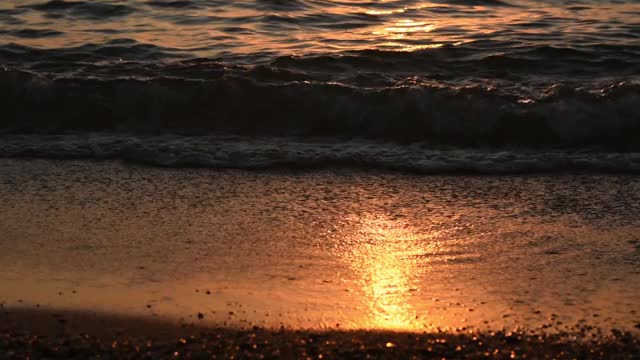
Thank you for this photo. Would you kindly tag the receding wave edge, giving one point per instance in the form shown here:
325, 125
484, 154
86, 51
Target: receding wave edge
288, 153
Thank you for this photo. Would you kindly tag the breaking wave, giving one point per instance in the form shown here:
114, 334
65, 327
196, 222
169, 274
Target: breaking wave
265, 101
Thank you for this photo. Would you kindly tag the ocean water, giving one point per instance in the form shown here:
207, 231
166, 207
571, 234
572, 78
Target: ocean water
426, 86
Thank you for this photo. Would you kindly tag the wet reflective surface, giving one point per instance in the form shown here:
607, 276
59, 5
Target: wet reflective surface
379, 253
326, 249
267, 28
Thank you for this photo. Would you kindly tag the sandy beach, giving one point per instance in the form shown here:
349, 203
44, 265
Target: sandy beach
114, 251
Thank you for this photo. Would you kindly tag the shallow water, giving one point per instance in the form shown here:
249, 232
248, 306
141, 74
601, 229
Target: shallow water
318, 249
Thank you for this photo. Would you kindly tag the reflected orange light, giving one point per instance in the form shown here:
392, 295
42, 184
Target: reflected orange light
409, 26
382, 252
240, 29
383, 12
410, 48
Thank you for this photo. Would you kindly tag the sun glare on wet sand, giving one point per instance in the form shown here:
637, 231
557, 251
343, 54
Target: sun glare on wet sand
380, 254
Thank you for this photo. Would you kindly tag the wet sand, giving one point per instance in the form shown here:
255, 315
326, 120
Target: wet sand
127, 252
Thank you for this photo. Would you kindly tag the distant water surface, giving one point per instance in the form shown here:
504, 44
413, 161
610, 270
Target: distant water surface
264, 29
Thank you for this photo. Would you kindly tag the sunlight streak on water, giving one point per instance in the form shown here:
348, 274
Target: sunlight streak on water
320, 250
244, 27
382, 253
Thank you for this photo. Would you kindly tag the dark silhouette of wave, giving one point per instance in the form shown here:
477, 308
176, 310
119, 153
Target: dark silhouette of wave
267, 101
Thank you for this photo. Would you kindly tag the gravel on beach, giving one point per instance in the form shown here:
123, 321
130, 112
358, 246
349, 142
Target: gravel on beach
259, 343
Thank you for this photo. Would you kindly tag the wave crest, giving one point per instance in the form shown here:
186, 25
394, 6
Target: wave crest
254, 104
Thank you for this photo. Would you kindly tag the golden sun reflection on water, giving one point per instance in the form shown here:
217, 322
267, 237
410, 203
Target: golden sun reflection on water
381, 252
408, 26
221, 29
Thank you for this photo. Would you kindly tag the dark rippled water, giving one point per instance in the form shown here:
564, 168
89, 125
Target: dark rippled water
331, 80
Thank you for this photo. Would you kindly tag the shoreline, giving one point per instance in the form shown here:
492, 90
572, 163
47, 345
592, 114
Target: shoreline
76, 334
295, 154
448, 263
